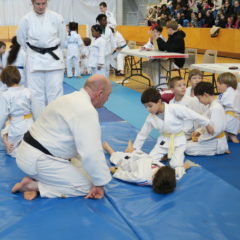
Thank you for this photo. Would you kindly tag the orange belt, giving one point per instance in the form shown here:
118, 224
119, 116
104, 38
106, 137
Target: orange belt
27, 116
233, 114
221, 135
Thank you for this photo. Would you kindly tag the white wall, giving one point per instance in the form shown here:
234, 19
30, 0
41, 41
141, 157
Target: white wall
81, 11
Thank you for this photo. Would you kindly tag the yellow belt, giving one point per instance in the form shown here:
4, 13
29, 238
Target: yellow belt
171, 145
221, 135
27, 116
233, 114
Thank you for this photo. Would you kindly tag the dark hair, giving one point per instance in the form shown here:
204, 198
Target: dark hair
195, 72
73, 26
100, 17
97, 28
229, 79
112, 29
204, 87
164, 180
150, 95
103, 4
15, 47
87, 41
2, 44
173, 80
10, 76
158, 28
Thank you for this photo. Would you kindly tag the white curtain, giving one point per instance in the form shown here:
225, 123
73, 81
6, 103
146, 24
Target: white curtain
81, 11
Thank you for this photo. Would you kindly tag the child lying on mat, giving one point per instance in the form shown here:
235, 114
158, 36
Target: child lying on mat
138, 167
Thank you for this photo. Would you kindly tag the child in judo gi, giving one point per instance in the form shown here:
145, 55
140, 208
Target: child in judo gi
18, 107
204, 143
194, 77
97, 51
16, 56
73, 44
230, 100
84, 56
178, 87
137, 167
168, 119
110, 42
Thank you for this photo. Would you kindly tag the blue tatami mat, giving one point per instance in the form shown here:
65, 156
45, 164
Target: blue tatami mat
104, 114
202, 207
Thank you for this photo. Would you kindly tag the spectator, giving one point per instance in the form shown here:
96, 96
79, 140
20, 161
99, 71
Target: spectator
209, 19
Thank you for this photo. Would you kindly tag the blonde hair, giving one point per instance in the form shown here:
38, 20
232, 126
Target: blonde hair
229, 79
194, 72
172, 24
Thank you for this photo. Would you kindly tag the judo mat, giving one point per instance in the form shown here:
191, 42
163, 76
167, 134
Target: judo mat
204, 206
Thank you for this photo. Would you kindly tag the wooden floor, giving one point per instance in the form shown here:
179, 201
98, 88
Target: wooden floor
140, 87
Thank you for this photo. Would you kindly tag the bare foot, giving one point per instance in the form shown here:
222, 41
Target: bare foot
130, 147
30, 195
233, 138
79, 76
227, 152
28, 186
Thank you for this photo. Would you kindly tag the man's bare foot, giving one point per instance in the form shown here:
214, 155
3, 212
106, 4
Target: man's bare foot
227, 152
130, 147
28, 186
233, 138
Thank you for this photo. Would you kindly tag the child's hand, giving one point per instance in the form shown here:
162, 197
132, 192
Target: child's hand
195, 136
210, 129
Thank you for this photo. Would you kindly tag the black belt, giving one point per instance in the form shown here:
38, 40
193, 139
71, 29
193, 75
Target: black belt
45, 50
119, 47
34, 143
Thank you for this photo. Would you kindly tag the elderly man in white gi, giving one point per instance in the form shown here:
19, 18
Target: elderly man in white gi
68, 127
41, 33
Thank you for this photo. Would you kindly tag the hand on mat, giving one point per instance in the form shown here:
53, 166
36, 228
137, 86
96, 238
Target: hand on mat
96, 193
179, 171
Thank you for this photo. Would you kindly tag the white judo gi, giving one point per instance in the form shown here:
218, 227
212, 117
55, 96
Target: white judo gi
230, 100
97, 56
73, 44
20, 64
66, 132
84, 60
188, 102
135, 167
44, 73
110, 47
172, 138
111, 21
19, 107
117, 58
211, 144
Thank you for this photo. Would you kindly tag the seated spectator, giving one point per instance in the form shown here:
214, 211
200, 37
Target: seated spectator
222, 21
237, 22
201, 20
209, 19
194, 19
236, 7
227, 9
230, 21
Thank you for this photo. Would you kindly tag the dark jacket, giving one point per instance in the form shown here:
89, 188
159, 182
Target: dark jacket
175, 43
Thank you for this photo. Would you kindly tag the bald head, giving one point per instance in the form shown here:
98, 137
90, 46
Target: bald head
99, 88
